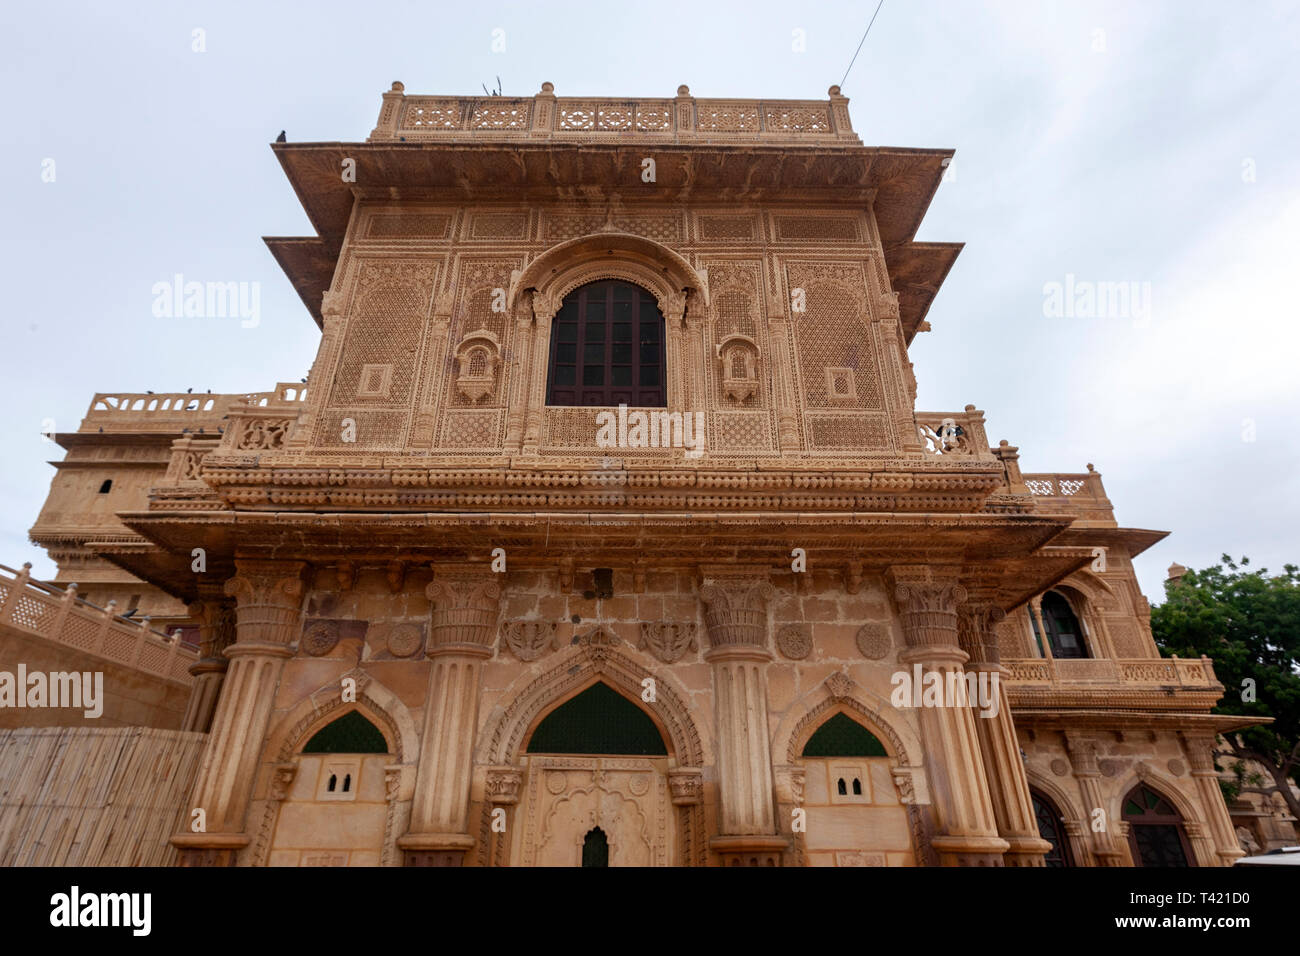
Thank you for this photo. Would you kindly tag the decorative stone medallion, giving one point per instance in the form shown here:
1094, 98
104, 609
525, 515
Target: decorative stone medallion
319, 638
404, 640
1176, 767
1060, 767
667, 641
794, 641
874, 642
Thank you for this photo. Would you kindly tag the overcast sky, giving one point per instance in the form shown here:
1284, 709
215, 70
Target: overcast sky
1151, 143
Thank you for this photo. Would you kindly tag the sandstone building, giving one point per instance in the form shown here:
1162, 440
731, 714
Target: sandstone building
606, 531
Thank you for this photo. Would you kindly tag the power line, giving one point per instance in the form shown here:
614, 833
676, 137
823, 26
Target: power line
862, 41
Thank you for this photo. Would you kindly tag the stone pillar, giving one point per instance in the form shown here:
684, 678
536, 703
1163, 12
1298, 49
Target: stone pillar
216, 616
1200, 756
462, 632
780, 364
268, 607
519, 364
502, 791
321, 375
1013, 808
695, 398
736, 618
436, 371
544, 309
927, 599
1083, 761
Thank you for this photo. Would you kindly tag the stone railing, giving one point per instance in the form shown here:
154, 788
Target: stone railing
57, 614
174, 411
1079, 494
545, 116
263, 425
1156, 672
954, 434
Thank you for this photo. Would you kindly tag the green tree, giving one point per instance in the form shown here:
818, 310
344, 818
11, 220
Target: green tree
1249, 623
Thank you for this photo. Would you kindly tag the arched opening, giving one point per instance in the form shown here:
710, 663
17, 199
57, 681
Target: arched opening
1156, 835
595, 848
599, 720
1051, 827
842, 736
1064, 632
607, 348
349, 734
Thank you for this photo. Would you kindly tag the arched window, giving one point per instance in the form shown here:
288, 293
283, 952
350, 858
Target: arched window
1052, 829
350, 734
600, 720
477, 362
1063, 628
607, 348
1155, 830
841, 736
595, 848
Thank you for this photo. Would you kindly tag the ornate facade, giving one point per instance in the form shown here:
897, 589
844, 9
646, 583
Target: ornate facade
444, 620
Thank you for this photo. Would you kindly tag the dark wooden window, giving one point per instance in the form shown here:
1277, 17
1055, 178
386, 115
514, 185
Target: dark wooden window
1052, 829
1155, 830
1063, 628
607, 348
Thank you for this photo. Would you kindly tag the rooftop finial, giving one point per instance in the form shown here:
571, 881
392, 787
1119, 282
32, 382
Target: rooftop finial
548, 87
683, 90
398, 86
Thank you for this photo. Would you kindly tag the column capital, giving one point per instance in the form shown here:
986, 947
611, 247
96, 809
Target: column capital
927, 598
268, 597
503, 785
976, 634
735, 610
466, 601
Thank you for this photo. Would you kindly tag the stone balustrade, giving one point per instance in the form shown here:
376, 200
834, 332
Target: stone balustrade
682, 119
1197, 673
174, 411
57, 614
954, 434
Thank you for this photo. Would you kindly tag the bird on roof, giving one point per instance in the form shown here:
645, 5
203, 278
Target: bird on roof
280, 138
101, 429
188, 390
200, 430
209, 391
149, 391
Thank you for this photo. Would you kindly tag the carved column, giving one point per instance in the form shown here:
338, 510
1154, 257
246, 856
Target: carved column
736, 616
544, 309
461, 635
437, 368
268, 606
503, 784
695, 399
781, 365
1083, 761
322, 369
1013, 808
520, 361
895, 346
216, 616
927, 600
1200, 756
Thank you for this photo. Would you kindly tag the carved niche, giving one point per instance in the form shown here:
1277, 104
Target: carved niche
738, 360
478, 357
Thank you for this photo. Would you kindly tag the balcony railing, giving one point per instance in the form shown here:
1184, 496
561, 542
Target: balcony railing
57, 614
545, 116
1155, 672
954, 434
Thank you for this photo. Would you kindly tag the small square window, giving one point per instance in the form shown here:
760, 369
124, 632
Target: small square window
339, 780
850, 783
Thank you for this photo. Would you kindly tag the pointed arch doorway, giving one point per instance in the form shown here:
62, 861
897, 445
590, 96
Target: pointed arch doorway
596, 786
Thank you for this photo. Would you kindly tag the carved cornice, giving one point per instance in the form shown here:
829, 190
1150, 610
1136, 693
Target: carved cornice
268, 598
